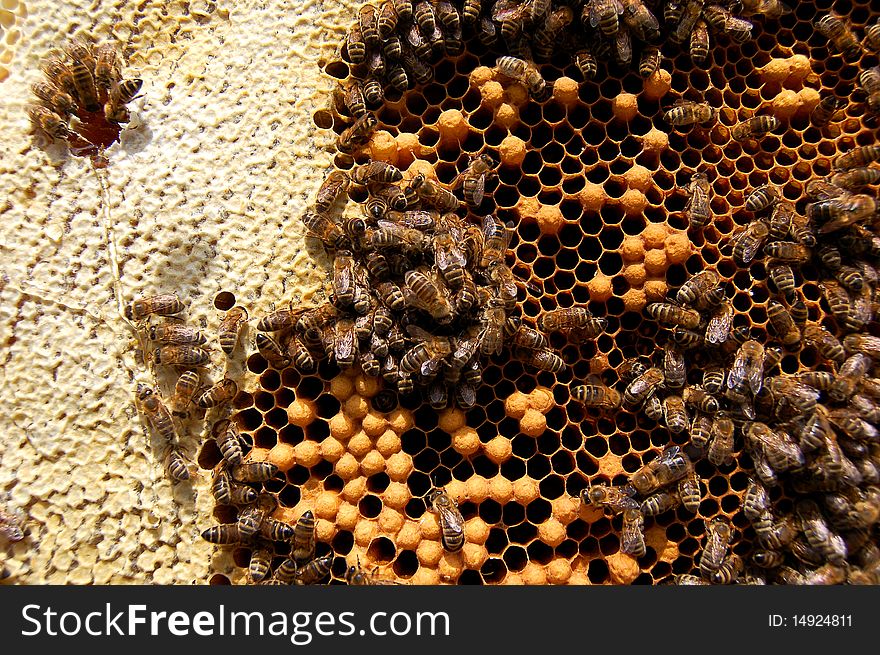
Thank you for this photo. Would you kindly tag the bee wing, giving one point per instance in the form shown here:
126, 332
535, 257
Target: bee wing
479, 190
719, 326
452, 518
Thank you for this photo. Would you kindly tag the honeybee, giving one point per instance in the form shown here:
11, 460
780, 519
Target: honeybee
819, 380
59, 73
675, 414
748, 240
577, 316
623, 46
675, 315
695, 289
695, 396
737, 29
783, 279
470, 12
425, 355
720, 451
253, 471
686, 579
643, 386
674, 369
672, 465
124, 91
156, 412
632, 536
331, 188
856, 177
748, 367
49, 122
175, 464
653, 408
761, 198
596, 395
225, 533
719, 326
852, 370
824, 112
731, 568
783, 324
817, 532
689, 16
176, 333
697, 208
323, 227
699, 46
433, 194
788, 251
525, 73
587, 65
780, 450
701, 431
227, 492
546, 36
84, 83
767, 559
228, 441
220, 393
184, 389
181, 356
106, 66
718, 535
421, 292
774, 534
630, 369
473, 179
356, 576
230, 328
357, 134
603, 14
391, 295
260, 564
840, 35
373, 93
754, 127
649, 62
756, 500
54, 98
451, 520
544, 359
687, 112
857, 157
617, 499
689, 492
303, 547
838, 301
314, 571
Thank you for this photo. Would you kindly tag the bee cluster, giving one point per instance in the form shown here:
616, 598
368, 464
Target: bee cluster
82, 100
180, 349
394, 44
811, 436
419, 295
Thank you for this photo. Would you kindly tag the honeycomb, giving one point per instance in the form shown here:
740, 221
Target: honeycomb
594, 180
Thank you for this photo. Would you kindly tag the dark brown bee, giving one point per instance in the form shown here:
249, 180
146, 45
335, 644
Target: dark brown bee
642, 387
825, 342
559, 319
840, 35
162, 305
851, 371
125, 91
783, 278
220, 393
106, 65
549, 29
225, 533
719, 325
686, 112
697, 208
181, 356
623, 46
524, 72
433, 194
184, 389
699, 46
783, 324
673, 315
672, 465
271, 351
701, 431
253, 471
720, 451
603, 14
596, 395
587, 65
857, 157
649, 62
260, 564
357, 135
496, 237
850, 277
823, 113
423, 293
856, 177
698, 397
176, 333
761, 198
373, 93
314, 571
473, 179
544, 359
331, 188
320, 225
754, 127
230, 328
747, 241
632, 536
376, 171
674, 414
228, 441
718, 535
